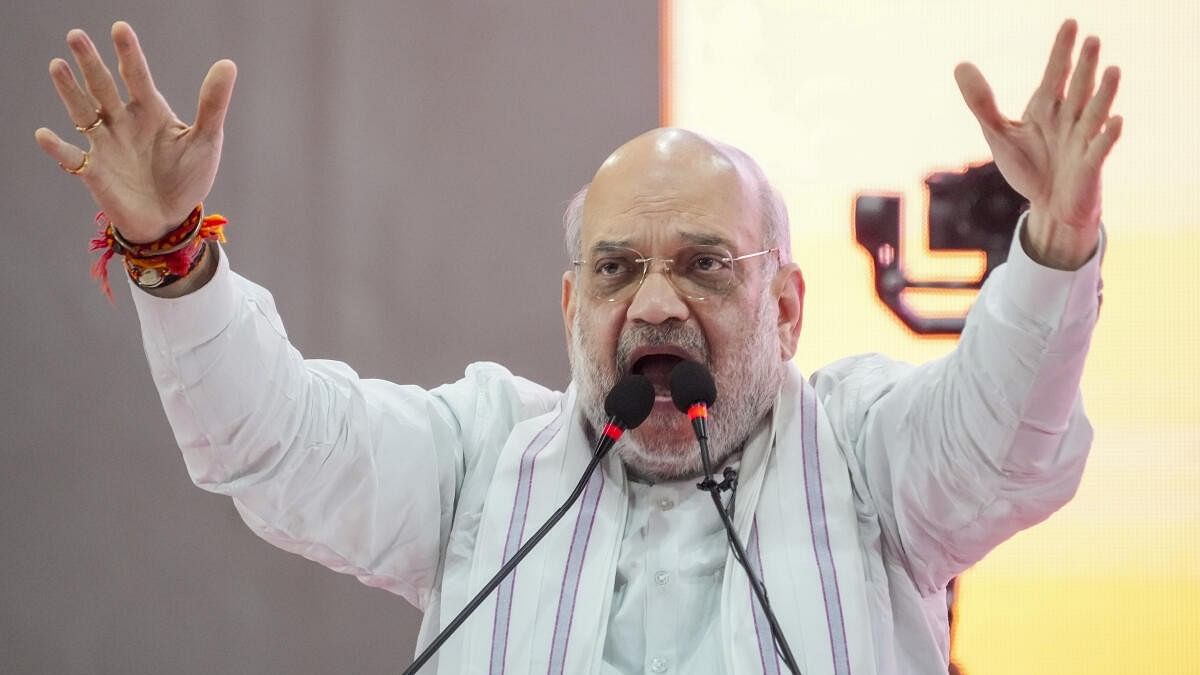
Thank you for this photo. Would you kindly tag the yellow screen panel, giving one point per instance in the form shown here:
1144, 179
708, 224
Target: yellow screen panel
840, 98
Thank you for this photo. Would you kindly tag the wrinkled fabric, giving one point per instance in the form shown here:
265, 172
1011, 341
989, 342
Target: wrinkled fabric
870, 486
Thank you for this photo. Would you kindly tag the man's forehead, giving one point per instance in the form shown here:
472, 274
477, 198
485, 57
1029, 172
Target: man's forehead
674, 182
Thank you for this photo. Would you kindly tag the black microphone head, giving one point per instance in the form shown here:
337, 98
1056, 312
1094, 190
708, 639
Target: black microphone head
692, 383
630, 401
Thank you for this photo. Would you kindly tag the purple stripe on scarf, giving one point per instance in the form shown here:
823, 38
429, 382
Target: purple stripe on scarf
762, 629
815, 494
573, 573
516, 531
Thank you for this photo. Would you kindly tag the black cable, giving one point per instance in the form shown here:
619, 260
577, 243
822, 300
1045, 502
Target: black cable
627, 405
730, 483
508, 566
739, 554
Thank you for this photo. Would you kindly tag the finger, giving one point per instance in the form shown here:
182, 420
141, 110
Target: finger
1097, 110
66, 154
1054, 79
979, 97
1099, 148
97, 76
131, 61
81, 107
215, 93
1083, 82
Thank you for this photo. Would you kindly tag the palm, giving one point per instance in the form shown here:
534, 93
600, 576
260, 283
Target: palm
157, 174
146, 169
1053, 155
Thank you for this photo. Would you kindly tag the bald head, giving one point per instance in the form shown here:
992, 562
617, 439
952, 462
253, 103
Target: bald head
666, 164
662, 169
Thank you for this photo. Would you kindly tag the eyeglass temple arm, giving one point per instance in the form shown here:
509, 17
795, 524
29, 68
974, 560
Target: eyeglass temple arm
755, 254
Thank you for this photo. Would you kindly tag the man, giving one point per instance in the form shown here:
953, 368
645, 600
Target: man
862, 491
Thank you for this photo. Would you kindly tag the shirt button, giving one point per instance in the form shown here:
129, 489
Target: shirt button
662, 577
665, 504
658, 665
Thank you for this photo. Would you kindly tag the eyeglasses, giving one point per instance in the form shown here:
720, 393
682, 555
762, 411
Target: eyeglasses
614, 274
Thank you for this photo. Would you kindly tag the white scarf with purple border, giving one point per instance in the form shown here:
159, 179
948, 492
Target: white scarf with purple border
795, 513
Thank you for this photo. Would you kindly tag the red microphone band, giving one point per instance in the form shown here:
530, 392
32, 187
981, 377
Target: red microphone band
613, 431
698, 410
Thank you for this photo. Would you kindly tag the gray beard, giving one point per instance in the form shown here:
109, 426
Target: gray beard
748, 378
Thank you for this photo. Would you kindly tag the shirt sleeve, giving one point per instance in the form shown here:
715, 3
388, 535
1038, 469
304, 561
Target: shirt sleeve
357, 474
961, 453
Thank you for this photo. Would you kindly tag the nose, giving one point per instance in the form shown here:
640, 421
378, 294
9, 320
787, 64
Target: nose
656, 300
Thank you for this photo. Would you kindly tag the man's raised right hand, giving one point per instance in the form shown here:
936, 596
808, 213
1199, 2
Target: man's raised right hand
145, 168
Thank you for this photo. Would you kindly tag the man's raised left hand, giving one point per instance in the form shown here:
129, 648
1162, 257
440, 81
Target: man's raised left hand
1054, 154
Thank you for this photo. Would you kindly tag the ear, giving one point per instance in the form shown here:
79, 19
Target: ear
788, 289
568, 304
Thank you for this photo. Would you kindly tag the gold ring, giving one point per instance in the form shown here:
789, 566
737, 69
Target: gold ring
93, 126
79, 169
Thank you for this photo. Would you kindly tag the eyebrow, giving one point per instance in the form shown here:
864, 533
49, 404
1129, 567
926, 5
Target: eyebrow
706, 239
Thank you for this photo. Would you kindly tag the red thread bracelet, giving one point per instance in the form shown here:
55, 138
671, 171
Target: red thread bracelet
160, 262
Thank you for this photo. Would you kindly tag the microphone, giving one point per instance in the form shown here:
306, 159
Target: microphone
692, 391
627, 405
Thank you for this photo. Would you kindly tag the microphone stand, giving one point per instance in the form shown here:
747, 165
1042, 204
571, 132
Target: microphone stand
606, 443
739, 553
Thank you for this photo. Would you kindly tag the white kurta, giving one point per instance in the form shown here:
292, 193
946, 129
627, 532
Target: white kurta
863, 494
667, 592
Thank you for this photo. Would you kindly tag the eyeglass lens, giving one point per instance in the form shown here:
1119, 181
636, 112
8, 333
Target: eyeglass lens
696, 271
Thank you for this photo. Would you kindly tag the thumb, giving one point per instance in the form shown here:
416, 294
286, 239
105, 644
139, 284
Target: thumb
978, 96
215, 93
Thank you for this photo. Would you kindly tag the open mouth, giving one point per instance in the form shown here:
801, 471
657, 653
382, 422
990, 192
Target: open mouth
656, 366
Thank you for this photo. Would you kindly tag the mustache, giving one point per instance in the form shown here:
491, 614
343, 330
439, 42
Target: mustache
679, 334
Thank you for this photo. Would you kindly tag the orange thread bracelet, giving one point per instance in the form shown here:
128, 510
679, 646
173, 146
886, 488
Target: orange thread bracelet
158, 263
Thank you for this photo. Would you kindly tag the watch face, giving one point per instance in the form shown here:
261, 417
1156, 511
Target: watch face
149, 278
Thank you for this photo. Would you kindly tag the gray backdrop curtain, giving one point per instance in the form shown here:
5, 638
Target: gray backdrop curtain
395, 174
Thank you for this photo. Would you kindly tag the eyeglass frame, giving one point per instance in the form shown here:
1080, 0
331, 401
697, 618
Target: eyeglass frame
668, 261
